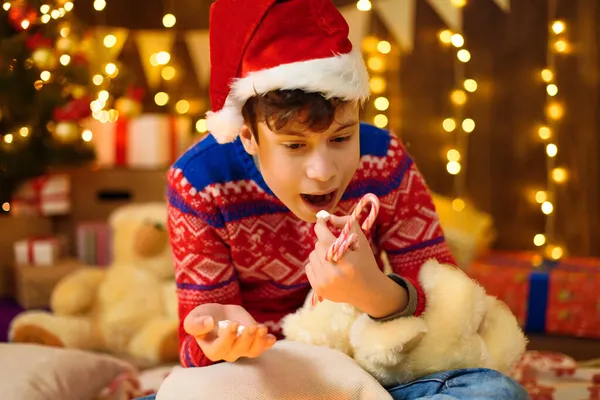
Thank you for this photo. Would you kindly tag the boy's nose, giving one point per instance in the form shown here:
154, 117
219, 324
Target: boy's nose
320, 168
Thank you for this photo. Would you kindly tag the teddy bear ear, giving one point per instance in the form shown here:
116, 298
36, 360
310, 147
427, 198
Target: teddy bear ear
150, 240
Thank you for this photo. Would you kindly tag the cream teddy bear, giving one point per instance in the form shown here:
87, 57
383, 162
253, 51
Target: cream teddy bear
128, 309
462, 327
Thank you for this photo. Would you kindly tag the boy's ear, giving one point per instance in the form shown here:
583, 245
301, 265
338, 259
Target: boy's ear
248, 140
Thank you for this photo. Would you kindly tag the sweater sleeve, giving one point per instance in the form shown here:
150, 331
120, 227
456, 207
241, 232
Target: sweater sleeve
203, 271
409, 229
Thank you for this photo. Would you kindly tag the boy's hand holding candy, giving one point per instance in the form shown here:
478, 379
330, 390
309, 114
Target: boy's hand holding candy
345, 270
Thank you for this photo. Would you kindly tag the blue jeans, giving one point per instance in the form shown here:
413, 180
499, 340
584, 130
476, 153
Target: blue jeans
462, 384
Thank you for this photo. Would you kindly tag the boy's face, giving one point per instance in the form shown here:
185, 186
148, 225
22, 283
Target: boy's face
308, 171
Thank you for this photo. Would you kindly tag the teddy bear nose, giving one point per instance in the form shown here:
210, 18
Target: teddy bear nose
150, 240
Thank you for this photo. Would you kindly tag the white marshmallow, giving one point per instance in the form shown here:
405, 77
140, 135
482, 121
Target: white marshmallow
323, 215
225, 323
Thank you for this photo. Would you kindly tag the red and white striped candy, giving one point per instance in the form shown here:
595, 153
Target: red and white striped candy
347, 239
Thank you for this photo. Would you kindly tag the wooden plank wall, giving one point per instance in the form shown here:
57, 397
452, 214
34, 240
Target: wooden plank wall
506, 161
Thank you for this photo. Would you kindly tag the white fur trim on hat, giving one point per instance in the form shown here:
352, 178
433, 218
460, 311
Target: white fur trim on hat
343, 76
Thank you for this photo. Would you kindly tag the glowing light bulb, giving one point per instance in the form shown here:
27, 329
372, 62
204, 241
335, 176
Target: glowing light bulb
110, 69
544, 133
458, 97
557, 253
449, 124
468, 125
470, 85
541, 196
547, 75
169, 20
168, 73
551, 150
110, 41
163, 58
453, 167
384, 47
201, 125
458, 204
382, 103
182, 106
87, 135
445, 36
560, 46
161, 98
555, 111
363, 5
463, 55
547, 207
453, 155
380, 121
99, 5
457, 40
559, 175
558, 27
552, 90
539, 240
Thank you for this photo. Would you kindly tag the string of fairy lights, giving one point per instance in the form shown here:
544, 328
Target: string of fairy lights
548, 133
377, 51
458, 123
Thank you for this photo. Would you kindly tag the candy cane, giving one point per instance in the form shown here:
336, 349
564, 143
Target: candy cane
347, 239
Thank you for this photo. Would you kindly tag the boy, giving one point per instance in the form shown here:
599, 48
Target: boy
286, 87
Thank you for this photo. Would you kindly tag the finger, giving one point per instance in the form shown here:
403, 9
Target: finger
241, 345
338, 221
310, 274
355, 228
323, 233
198, 325
220, 348
261, 342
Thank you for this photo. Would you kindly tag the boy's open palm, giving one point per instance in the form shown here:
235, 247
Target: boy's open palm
224, 343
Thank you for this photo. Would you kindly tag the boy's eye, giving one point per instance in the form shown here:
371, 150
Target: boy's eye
341, 139
293, 146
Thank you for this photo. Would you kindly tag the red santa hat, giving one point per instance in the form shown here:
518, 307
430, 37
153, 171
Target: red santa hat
257, 46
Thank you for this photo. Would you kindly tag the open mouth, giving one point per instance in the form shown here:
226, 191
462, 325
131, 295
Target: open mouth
319, 200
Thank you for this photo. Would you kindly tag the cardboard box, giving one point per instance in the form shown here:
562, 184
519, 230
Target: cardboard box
96, 193
13, 229
34, 285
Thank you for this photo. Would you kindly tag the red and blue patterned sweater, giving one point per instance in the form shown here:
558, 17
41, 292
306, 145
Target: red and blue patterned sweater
234, 242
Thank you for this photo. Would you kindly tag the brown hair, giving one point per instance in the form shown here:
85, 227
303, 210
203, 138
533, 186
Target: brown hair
277, 108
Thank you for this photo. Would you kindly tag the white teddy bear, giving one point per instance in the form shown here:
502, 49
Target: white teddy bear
462, 327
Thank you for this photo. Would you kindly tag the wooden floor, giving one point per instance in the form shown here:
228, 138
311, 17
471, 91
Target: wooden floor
578, 348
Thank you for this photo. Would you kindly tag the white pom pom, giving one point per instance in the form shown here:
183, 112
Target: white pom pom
225, 125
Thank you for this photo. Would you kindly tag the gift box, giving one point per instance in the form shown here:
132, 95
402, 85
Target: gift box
546, 296
47, 195
34, 285
39, 251
94, 243
146, 142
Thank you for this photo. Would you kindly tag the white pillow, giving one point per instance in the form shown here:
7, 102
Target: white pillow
35, 372
289, 371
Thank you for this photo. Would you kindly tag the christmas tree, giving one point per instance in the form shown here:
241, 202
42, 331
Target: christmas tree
48, 85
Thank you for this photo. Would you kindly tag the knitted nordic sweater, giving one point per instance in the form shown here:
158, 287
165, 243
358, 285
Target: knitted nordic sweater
234, 242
